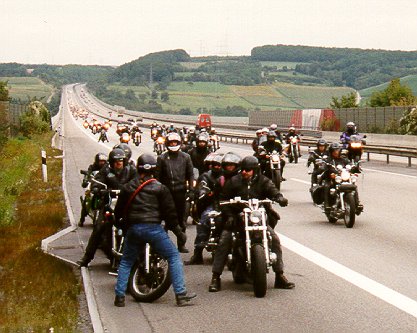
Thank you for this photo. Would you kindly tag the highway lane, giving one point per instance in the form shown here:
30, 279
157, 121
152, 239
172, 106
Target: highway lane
380, 246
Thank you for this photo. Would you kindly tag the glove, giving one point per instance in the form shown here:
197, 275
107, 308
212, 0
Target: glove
283, 202
84, 184
181, 236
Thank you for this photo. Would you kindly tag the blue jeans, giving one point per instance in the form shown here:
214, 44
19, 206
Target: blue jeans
156, 236
203, 229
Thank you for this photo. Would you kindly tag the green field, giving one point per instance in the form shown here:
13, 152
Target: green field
281, 64
212, 95
410, 80
24, 87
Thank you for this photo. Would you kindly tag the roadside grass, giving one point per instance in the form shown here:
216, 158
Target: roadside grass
22, 87
37, 292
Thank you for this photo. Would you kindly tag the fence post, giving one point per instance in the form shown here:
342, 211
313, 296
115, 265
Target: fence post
44, 169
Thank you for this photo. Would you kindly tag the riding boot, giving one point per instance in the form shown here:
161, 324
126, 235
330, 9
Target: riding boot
281, 282
196, 258
215, 284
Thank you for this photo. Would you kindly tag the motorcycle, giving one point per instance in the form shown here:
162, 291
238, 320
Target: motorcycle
293, 148
116, 236
342, 197
137, 138
90, 203
159, 145
190, 203
149, 278
103, 136
354, 148
125, 137
251, 255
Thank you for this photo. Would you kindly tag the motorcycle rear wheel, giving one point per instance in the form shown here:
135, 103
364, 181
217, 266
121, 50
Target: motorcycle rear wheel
258, 269
148, 287
350, 209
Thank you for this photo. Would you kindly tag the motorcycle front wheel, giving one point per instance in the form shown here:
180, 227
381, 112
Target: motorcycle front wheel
258, 269
350, 209
277, 179
148, 287
295, 154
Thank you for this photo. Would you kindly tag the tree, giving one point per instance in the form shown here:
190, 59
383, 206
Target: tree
164, 96
395, 94
346, 101
4, 91
408, 122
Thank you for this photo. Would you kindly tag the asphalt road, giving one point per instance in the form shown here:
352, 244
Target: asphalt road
347, 280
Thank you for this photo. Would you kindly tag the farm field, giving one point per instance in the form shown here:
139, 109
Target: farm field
212, 95
281, 64
410, 80
24, 87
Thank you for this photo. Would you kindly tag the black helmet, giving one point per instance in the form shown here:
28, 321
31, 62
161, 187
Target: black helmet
231, 158
249, 163
146, 163
116, 154
321, 142
334, 146
100, 157
125, 147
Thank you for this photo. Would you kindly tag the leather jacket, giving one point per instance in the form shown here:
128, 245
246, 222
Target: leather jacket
174, 170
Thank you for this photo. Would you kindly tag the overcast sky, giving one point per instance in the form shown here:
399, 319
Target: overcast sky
113, 32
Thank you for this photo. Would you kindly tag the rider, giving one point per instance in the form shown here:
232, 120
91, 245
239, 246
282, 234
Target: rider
250, 183
171, 129
114, 175
205, 192
152, 204
255, 142
319, 153
345, 136
174, 170
215, 140
100, 160
274, 127
291, 133
199, 153
270, 145
103, 135
333, 161
128, 152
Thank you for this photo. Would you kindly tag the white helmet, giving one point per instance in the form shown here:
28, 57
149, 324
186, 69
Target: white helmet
173, 137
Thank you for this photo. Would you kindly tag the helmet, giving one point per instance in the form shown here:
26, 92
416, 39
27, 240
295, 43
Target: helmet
249, 163
209, 158
350, 127
213, 131
273, 127
291, 129
125, 147
271, 134
265, 130
321, 142
203, 137
173, 137
116, 154
100, 157
334, 146
231, 158
171, 125
146, 163
217, 159
191, 129
259, 131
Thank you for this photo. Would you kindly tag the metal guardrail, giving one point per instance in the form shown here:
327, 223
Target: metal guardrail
309, 136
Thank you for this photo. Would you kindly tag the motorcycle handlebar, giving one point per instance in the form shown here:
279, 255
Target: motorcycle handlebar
239, 200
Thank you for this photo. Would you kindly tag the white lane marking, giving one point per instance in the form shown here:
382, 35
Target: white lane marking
384, 293
300, 181
390, 173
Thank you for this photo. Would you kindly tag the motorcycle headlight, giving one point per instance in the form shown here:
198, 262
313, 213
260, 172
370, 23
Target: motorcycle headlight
356, 144
338, 179
256, 217
275, 158
345, 175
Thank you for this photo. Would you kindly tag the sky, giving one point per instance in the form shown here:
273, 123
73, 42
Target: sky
113, 32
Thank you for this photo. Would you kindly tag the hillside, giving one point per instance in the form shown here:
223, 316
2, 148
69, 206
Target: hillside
23, 88
409, 80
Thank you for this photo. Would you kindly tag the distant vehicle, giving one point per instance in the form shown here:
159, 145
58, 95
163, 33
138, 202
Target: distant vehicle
204, 121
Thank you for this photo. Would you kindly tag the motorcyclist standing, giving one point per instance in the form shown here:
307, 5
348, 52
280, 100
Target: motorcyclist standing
206, 187
114, 175
152, 204
319, 153
270, 145
100, 160
174, 170
332, 162
249, 184
199, 153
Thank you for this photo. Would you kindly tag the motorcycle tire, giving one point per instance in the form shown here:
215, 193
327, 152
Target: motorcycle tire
277, 179
350, 210
137, 144
295, 154
331, 219
258, 269
151, 286
95, 216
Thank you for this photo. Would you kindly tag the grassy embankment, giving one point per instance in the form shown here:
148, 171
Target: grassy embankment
37, 291
265, 97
